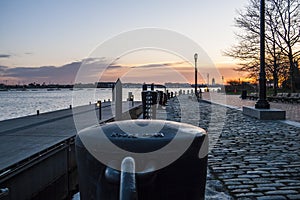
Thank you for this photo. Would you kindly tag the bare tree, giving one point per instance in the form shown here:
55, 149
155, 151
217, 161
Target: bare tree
282, 39
287, 27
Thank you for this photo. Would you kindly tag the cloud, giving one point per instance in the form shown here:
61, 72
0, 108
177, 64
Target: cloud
160, 65
92, 70
4, 56
63, 74
3, 68
111, 67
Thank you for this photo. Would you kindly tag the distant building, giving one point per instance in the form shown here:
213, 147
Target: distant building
213, 81
177, 85
105, 84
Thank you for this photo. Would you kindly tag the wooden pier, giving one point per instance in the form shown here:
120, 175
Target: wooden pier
38, 152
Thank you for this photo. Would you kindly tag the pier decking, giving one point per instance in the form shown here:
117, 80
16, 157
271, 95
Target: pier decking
37, 151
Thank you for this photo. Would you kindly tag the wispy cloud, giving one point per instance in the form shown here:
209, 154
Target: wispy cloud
63, 74
4, 56
111, 67
160, 65
92, 68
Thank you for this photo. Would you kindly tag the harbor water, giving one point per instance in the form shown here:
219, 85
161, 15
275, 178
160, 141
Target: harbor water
14, 104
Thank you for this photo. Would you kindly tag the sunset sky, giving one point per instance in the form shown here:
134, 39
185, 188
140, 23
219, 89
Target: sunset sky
46, 40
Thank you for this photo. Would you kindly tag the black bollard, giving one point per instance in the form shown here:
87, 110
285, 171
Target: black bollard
152, 87
100, 109
144, 87
149, 101
182, 179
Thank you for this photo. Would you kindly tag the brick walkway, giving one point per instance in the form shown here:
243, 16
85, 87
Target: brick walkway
248, 158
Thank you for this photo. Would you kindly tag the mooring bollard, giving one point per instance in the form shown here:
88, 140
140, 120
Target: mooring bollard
99, 109
105, 174
149, 101
132, 100
38, 112
70, 107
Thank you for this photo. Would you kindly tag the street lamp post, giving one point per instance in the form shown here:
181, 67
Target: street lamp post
196, 72
262, 102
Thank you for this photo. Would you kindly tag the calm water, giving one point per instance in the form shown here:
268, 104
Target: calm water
15, 104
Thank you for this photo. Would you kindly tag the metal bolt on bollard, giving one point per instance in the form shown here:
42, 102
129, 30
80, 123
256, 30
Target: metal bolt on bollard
128, 189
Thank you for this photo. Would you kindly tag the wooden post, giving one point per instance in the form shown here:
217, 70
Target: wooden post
118, 100
113, 93
99, 109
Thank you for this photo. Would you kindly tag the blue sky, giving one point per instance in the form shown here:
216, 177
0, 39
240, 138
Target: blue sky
38, 33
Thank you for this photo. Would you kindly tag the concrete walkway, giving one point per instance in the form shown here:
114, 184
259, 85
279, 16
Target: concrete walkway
24, 137
248, 158
292, 110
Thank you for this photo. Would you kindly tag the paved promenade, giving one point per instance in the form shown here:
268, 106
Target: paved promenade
24, 137
248, 158
292, 110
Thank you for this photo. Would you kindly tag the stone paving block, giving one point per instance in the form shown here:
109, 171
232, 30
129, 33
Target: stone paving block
223, 168
272, 197
293, 184
267, 169
257, 172
249, 194
234, 187
271, 185
290, 188
257, 181
232, 183
240, 191
263, 189
282, 192
294, 197
226, 176
275, 175
236, 179
251, 176
288, 181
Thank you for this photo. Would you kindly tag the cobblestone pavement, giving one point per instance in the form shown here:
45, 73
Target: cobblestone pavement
248, 158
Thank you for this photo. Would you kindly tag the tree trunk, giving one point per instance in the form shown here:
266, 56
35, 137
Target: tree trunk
291, 60
275, 78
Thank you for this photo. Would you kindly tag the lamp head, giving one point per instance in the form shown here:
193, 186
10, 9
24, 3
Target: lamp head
98, 103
